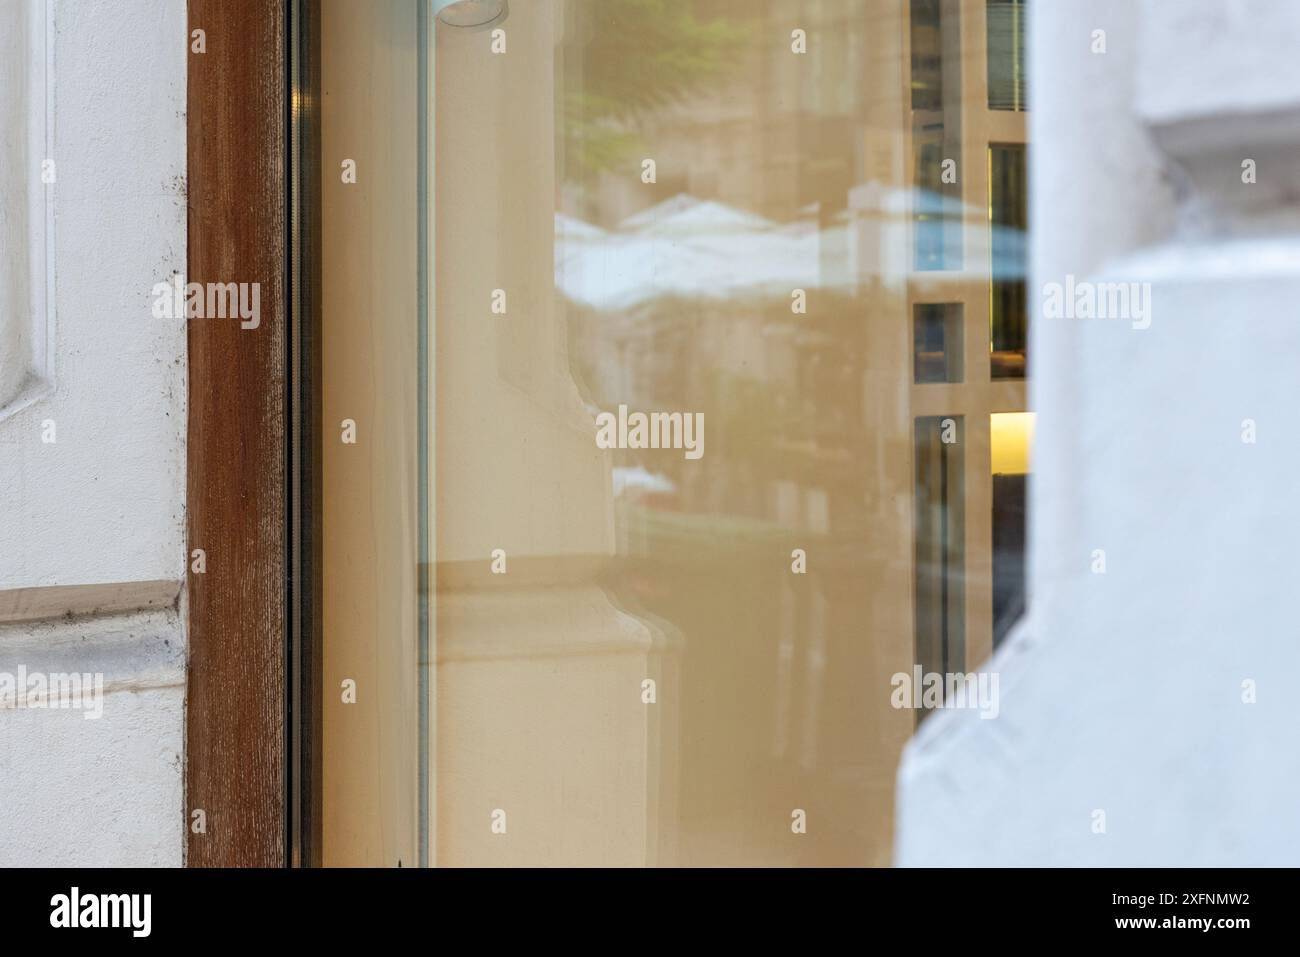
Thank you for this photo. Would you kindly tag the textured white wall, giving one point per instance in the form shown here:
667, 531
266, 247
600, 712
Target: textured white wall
106, 792
26, 318
105, 502
1122, 692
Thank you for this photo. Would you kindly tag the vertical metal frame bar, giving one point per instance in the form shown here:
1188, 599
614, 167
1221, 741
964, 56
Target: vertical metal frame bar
427, 826
304, 402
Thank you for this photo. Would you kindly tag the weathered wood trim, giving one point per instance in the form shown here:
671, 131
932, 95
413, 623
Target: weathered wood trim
236, 722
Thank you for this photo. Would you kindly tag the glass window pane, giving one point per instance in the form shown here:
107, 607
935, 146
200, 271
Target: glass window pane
940, 544
1006, 29
1008, 224
936, 134
936, 348
927, 55
1010, 438
669, 430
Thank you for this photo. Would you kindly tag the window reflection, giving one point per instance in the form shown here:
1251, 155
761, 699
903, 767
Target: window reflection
936, 134
937, 351
940, 537
927, 55
1010, 438
1005, 21
805, 241
1008, 221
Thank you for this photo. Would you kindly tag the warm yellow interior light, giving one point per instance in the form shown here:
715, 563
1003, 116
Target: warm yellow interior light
1010, 436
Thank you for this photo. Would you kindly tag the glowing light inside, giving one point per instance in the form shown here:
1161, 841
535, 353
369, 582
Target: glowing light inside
1011, 436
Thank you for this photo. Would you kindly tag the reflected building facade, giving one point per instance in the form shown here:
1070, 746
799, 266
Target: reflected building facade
821, 237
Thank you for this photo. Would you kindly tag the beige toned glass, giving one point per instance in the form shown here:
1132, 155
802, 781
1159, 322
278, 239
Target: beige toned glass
788, 234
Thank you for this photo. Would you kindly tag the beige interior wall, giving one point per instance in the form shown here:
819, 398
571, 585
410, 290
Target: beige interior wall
538, 711
369, 317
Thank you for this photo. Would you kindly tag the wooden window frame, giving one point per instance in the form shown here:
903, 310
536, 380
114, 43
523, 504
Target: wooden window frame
252, 708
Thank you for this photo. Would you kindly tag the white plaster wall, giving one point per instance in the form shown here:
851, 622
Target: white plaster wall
23, 312
96, 792
105, 502
1122, 692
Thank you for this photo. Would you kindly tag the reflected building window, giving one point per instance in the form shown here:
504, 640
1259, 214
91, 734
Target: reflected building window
1008, 223
940, 536
936, 342
936, 135
1005, 24
1010, 439
927, 55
